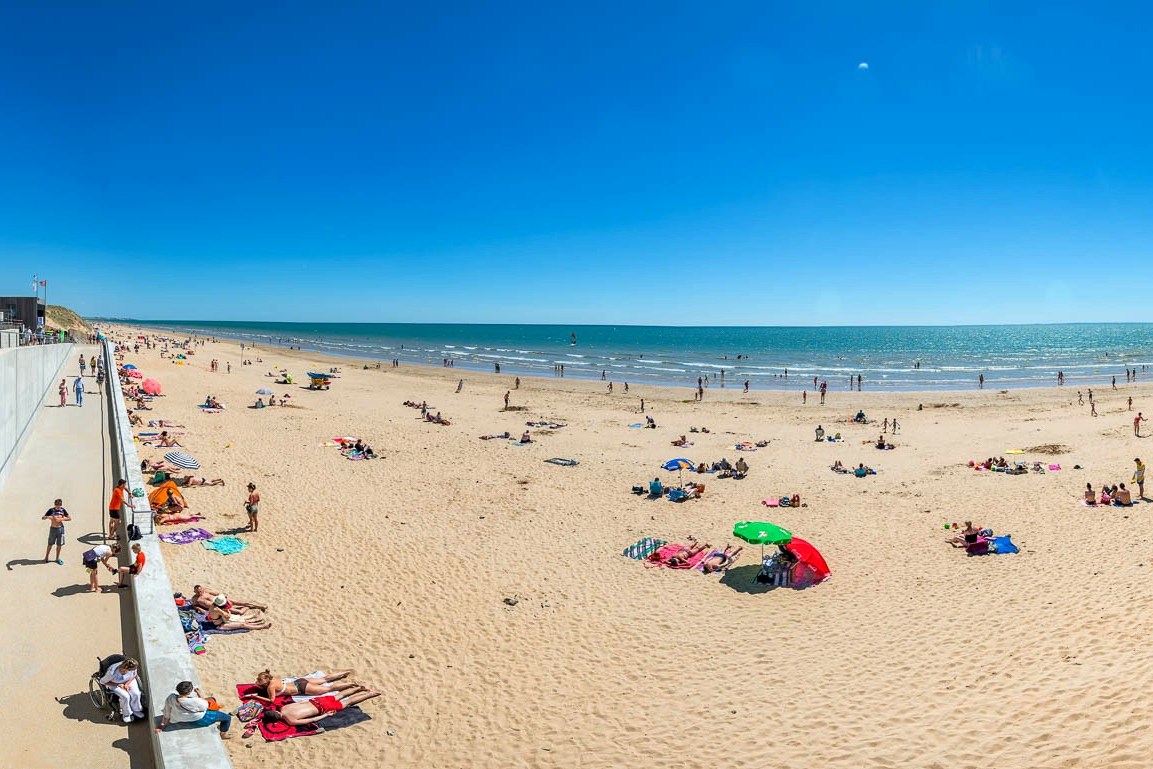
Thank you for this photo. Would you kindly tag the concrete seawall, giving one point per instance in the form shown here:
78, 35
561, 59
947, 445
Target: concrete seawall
164, 654
26, 376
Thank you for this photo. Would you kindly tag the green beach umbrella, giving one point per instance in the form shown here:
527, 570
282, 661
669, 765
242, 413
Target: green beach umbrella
760, 533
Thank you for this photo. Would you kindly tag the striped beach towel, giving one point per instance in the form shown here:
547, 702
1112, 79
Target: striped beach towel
643, 548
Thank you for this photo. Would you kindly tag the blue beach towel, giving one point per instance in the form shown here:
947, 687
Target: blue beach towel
637, 424
225, 545
1003, 545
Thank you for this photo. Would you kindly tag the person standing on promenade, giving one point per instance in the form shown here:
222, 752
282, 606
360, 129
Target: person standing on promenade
56, 516
1137, 420
92, 560
82, 364
92, 365
1139, 477
78, 390
116, 505
63, 393
252, 507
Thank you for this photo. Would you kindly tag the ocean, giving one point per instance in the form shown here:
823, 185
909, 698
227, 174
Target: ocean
886, 357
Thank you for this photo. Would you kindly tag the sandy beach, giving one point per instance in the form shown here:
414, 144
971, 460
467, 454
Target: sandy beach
911, 655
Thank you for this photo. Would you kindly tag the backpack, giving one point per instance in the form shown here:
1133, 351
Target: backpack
134, 532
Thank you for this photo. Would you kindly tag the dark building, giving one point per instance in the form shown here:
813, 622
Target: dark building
27, 311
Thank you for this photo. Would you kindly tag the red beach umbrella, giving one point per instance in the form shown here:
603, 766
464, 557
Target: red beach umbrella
134, 374
150, 386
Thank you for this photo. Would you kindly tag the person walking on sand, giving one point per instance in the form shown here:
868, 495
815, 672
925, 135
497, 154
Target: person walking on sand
1130, 402
116, 505
63, 393
1139, 477
460, 385
506, 394
56, 516
1137, 420
516, 384
894, 426
885, 425
1092, 409
252, 507
78, 390
746, 385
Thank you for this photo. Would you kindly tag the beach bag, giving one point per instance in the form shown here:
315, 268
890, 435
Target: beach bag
212, 703
134, 532
249, 711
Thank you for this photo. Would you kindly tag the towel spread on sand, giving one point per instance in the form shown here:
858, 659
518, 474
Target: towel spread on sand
202, 618
225, 545
661, 557
186, 536
564, 462
274, 731
1003, 545
643, 548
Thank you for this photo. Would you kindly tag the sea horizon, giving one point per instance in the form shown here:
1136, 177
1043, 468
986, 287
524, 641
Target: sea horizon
904, 357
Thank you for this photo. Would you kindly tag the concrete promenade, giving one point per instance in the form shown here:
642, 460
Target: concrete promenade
54, 630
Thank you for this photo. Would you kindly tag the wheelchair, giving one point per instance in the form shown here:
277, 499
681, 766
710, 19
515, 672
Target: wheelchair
100, 695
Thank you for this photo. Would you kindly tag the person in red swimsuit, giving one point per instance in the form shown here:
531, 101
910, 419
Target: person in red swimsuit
319, 708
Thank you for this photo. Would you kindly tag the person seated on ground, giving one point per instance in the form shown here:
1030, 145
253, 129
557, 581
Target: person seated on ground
883, 444
1090, 496
319, 708
682, 441
656, 489
724, 464
1106, 495
741, 468
762, 443
212, 403
1122, 496
192, 480
272, 686
219, 618
259, 403
1002, 462
685, 554
838, 467
650, 422
171, 503
167, 441
203, 597
820, 433
134, 419
968, 535
140, 404
702, 468
860, 417
525, 437
186, 706
861, 470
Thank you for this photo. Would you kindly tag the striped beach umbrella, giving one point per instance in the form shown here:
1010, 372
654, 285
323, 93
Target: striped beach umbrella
264, 391
180, 459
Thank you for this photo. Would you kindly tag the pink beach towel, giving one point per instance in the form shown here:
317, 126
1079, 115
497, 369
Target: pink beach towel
661, 557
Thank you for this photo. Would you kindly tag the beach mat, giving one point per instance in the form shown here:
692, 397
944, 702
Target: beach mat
186, 537
275, 731
643, 548
660, 556
225, 545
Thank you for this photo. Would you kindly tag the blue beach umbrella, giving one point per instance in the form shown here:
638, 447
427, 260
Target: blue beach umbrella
679, 464
128, 366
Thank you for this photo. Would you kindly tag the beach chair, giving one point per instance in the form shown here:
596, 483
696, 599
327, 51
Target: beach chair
656, 489
774, 572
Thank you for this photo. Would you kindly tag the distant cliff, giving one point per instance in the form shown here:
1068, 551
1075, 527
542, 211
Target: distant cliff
62, 318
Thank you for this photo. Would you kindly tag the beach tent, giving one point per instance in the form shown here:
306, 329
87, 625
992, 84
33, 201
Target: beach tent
811, 568
159, 496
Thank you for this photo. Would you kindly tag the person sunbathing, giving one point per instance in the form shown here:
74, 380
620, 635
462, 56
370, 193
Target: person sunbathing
1090, 497
838, 467
191, 480
219, 618
1122, 496
134, 419
319, 708
166, 519
720, 561
686, 554
162, 423
167, 441
272, 686
203, 598
525, 437
682, 441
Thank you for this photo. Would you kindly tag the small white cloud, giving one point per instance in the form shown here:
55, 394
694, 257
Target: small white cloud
863, 65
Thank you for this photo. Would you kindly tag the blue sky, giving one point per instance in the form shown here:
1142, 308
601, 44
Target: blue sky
591, 162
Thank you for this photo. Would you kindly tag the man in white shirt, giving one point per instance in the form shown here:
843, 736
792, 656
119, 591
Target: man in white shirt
186, 706
122, 680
